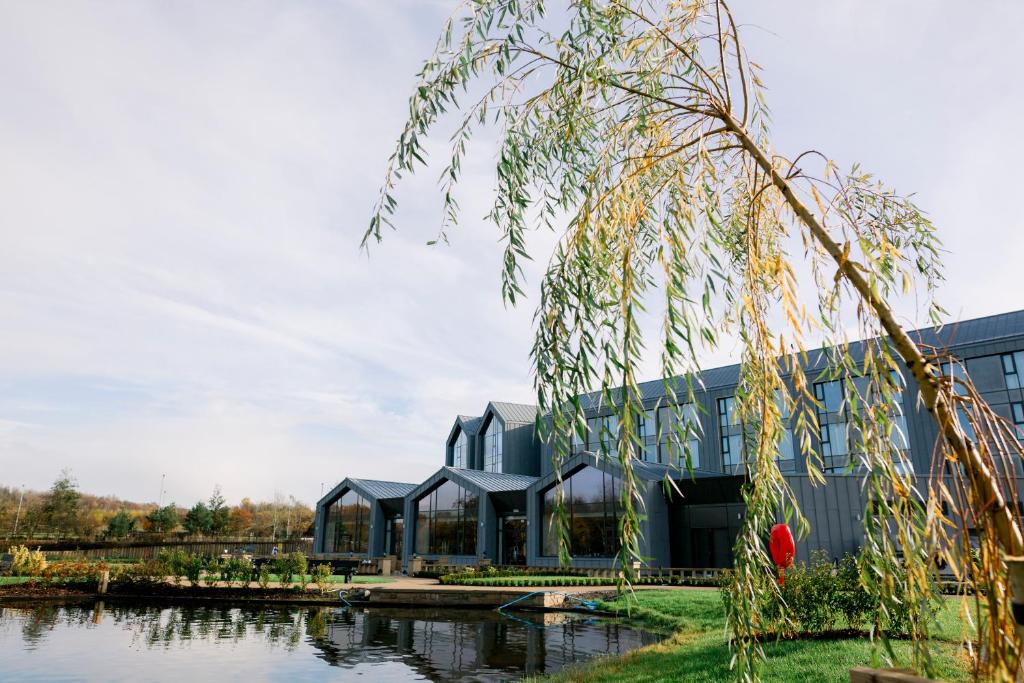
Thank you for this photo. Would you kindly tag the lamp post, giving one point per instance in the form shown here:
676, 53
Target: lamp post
17, 516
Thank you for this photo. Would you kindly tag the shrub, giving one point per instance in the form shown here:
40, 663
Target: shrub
288, 566
817, 595
211, 573
263, 579
27, 562
322, 575
235, 569
192, 568
147, 572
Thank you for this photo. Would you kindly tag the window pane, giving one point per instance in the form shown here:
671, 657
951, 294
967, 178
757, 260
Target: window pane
493, 443
679, 440
446, 521
786, 445
591, 504
1012, 364
732, 450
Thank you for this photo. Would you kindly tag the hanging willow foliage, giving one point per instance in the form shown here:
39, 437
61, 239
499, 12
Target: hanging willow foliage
638, 130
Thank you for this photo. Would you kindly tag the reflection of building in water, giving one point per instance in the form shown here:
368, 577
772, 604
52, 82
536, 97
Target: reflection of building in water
471, 644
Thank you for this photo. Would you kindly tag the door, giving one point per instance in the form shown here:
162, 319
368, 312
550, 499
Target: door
512, 540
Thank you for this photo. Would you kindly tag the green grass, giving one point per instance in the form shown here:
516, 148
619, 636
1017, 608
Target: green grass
698, 650
532, 580
14, 580
341, 579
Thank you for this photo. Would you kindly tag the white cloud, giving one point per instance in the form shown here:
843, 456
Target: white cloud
185, 187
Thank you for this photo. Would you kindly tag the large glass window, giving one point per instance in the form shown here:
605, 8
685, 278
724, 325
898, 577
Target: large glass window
678, 428
1017, 412
1013, 366
460, 450
837, 434
603, 434
579, 442
492, 446
348, 525
833, 424
592, 505
647, 431
730, 433
734, 435
786, 452
446, 520
957, 371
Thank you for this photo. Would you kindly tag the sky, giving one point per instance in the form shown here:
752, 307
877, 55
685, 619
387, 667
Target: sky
184, 187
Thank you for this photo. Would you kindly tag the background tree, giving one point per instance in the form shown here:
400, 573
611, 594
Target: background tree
120, 525
198, 520
163, 519
638, 130
241, 518
219, 512
60, 510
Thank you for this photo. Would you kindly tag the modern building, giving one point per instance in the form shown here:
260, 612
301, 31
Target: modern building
493, 500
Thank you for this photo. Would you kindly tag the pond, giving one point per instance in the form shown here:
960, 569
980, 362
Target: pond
98, 642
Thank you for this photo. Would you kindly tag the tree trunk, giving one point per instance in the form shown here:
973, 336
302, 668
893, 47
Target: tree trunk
984, 484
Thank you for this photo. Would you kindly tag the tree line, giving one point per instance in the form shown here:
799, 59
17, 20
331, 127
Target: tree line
65, 512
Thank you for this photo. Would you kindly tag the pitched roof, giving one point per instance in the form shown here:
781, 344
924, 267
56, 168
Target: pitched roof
973, 331
494, 482
646, 471
383, 489
470, 425
514, 412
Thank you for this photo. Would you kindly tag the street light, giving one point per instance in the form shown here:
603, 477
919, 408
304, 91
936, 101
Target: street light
17, 516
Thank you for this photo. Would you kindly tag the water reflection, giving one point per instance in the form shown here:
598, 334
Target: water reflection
125, 642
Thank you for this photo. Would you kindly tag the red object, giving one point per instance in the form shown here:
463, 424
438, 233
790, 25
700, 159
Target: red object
783, 548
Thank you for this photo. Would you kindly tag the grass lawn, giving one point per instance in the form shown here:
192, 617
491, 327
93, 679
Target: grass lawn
698, 649
14, 580
533, 580
341, 579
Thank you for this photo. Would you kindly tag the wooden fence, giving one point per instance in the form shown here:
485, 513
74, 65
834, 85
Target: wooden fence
136, 551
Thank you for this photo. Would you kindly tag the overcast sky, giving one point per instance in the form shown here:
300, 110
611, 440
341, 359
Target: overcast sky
183, 187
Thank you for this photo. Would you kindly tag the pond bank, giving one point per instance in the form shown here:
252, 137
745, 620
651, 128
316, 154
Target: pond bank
403, 592
698, 649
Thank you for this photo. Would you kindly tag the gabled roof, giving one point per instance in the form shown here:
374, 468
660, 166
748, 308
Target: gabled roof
494, 482
512, 412
374, 489
647, 471
481, 482
383, 489
469, 425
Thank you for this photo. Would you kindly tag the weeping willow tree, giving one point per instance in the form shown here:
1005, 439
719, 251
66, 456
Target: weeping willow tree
638, 131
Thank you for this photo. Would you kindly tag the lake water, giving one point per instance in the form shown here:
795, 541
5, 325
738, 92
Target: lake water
131, 643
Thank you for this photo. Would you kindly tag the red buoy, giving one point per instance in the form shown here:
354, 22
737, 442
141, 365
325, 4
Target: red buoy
782, 547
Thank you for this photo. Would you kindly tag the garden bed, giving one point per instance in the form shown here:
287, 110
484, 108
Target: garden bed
163, 591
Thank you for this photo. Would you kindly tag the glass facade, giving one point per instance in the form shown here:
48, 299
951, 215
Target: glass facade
603, 435
493, 439
460, 450
1013, 366
394, 528
678, 429
446, 521
647, 431
730, 434
836, 431
592, 506
348, 525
